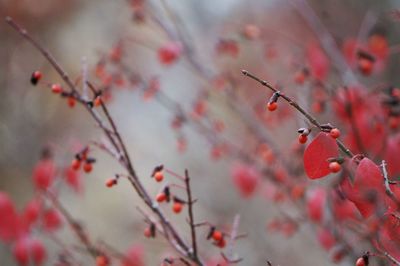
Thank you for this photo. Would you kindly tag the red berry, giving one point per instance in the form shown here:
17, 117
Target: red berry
177, 207
302, 138
365, 66
71, 101
111, 182
36, 76
147, 232
272, 106
38, 252
334, 167
169, 53
161, 197
21, 251
76, 164
361, 262
102, 260
217, 235
97, 101
158, 176
221, 243
299, 77
52, 220
56, 88
87, 167
335, 133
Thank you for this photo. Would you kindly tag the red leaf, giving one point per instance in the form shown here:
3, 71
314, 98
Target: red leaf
44, 173
317, 154
318, 61
8, 219
368, 190
326, 238
315, 204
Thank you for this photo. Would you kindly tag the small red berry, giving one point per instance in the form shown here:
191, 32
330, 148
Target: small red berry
177, 207
76, 164
334, 167
71, 101
365, 66
97, 101
335, 133
302, 138
87, 167
102, 260
158, 176
272, 106
221, 243
111, 182
161, 197
56, 88
36, 76
299, 77
361, 262
217, 235
147, 232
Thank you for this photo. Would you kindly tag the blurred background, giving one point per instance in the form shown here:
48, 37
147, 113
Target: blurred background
79, 31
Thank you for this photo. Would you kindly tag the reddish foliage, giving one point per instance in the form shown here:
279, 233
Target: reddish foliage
9, 219
44, 174
317, 153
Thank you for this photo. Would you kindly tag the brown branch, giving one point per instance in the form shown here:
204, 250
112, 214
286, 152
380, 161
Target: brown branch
132, 177
295, 105
74, 225
190, 211
388, 190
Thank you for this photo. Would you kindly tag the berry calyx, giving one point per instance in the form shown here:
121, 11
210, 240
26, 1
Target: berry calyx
87, 167
159, 176
272, 106
36, 76
56, 88
111, 182
161, 197
302, 138
217, 235
334, 133
334, 167
177, 207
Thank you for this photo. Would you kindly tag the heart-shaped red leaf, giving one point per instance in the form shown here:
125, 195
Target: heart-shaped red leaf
317, 154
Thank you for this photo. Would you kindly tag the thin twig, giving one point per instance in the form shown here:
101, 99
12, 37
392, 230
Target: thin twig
75, 226
190, 211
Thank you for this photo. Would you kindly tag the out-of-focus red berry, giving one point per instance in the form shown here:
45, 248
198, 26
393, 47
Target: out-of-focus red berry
177, 207
272, 106
302, 138
335, 133
334, 167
